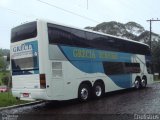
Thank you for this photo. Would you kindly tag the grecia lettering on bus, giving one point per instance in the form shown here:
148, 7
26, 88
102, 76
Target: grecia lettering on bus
81, 53
107, 55
22, 47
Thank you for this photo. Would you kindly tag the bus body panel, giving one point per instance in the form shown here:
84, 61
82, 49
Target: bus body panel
34, 94
25, 81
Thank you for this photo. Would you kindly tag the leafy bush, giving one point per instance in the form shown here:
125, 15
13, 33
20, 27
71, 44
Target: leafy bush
5, 80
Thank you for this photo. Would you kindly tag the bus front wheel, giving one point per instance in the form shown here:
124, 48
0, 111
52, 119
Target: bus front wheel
143, 83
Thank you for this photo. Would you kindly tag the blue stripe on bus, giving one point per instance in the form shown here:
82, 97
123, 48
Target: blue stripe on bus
85, 54
123, 81
25, 72
91, 61
34, 51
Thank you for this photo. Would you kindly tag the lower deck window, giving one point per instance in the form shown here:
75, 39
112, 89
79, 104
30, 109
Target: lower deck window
112, 68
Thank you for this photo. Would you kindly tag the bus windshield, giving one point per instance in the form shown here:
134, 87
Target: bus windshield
23, 32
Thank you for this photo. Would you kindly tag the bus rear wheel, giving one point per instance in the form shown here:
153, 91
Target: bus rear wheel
84, 92
98, 90
143, 83
137, 83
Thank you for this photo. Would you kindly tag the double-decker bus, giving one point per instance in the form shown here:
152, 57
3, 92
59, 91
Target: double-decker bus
51, 61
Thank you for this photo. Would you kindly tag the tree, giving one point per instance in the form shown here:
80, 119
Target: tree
156, 56
5, 80
3, 62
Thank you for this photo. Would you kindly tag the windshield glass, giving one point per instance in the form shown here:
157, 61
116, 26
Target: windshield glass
24, 58
23, 32
24, 63
25, 66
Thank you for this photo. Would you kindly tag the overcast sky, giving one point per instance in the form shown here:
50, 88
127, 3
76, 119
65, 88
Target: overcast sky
76, 13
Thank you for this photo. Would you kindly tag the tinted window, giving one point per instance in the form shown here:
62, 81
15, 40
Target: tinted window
136, 48
97, 41
116, 44
74, 37
24, 63
132, 68
79, 38
112, 68
23, 32
58, 34
66, 36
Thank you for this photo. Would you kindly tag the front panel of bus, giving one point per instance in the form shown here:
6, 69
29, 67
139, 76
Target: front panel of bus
27, 80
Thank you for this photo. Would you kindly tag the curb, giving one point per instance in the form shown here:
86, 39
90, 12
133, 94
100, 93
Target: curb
20, 105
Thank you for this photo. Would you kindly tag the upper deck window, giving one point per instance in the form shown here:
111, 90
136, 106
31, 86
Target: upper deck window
25, 31
78, 38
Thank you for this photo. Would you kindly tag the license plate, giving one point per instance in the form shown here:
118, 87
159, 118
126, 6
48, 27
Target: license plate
25, 94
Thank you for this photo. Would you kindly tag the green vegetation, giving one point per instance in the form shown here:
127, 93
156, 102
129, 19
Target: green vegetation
6, 99
4, 74
3, 77
3, 61
156, 56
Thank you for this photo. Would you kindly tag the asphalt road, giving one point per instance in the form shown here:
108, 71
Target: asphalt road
125, 104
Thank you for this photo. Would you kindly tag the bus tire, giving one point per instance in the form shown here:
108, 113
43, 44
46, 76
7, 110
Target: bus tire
143, 82
98, 90
84, 92
137, 83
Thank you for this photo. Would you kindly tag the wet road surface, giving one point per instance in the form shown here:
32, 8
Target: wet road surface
125, 102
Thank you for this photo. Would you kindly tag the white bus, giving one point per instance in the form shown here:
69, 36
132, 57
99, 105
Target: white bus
57, 62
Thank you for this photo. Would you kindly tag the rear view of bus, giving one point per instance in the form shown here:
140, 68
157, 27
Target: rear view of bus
26, 78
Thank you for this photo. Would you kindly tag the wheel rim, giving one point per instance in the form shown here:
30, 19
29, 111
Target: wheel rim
84, 93
143, 82
98, 91
137, 84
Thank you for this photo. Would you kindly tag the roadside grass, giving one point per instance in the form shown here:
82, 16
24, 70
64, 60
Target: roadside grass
6, 99
2, 74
